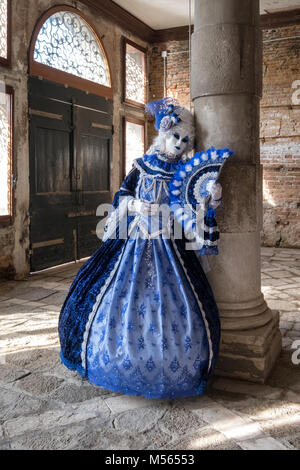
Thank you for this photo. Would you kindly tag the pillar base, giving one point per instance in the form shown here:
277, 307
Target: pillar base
250, 354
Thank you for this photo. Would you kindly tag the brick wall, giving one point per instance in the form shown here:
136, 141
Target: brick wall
177, 74
280, 137
280, 124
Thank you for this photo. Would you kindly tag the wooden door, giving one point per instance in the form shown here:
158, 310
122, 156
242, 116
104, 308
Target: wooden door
93, 149
70, 153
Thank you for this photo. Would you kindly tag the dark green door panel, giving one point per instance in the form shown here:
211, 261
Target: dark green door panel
70, 154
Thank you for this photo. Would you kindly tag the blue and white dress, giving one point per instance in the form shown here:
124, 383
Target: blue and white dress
140, 317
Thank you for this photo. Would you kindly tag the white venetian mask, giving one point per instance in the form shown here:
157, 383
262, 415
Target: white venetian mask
176, 143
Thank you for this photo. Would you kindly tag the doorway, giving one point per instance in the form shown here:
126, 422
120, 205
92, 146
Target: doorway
70, 137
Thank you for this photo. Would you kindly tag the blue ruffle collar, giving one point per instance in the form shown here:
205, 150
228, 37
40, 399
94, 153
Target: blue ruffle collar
158, 163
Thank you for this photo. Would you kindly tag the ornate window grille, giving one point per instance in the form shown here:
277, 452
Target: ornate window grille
66, 49
134, 130
5, 20
66, 42
135, 74
6, 144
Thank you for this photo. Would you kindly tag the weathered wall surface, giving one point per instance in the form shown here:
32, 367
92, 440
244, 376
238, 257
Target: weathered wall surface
280, 124
14, 240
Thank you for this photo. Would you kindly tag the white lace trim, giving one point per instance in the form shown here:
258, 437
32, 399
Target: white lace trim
187, 194
153, 186
140, 180
147, 189
205, 242
211, 176
199, 304
152, 167
165, 158
148, 235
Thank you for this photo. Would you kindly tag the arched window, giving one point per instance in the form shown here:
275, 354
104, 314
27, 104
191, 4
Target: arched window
66, 49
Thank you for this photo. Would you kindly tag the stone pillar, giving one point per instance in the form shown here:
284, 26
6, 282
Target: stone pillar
226, 87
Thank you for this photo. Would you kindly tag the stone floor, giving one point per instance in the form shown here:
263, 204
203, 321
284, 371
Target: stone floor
45, 406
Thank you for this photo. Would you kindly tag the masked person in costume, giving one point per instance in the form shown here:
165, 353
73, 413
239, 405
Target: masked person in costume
140, 317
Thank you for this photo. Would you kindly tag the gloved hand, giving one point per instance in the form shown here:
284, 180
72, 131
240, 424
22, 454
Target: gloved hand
142, 207
215, 190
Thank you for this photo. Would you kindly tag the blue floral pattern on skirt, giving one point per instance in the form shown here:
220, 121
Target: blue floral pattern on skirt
148, 336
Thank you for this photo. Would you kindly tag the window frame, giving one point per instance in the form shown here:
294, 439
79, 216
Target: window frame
8, 219
64, 78
125, 100
133, 120
6, 61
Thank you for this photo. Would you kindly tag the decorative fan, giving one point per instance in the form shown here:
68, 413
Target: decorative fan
190, 192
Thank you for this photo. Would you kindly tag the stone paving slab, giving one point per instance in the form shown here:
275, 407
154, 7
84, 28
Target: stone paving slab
55, 299
77, 436
43, 405
33, 294
262, 444
204, 439
50, 419
121, 403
